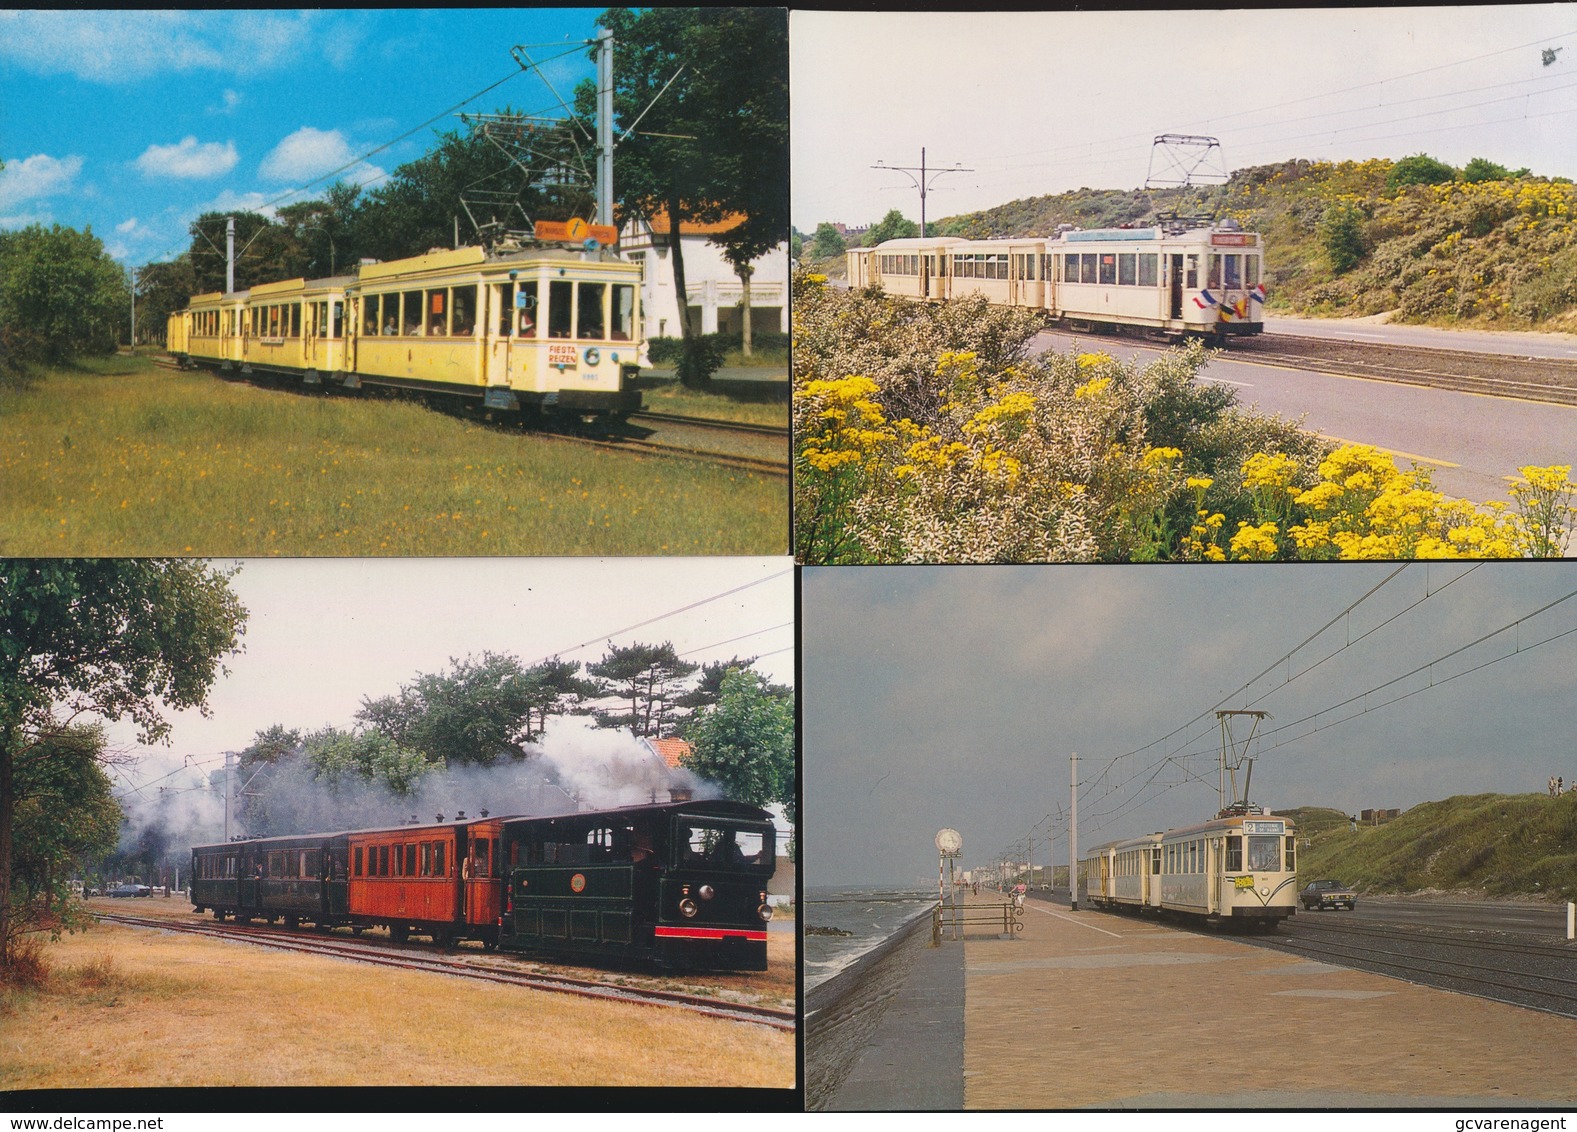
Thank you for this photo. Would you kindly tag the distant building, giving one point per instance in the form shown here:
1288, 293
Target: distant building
715, 292
1378, 817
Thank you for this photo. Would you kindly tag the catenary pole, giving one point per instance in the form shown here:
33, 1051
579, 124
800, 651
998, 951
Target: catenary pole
1073, 840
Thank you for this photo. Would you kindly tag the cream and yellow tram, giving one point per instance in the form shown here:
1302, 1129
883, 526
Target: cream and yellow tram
1238, 869
1168, 279
551, 328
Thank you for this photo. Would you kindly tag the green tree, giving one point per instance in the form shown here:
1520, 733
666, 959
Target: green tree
1341, 234
1483, 169
61, 295
554, 687
479, 712
113, 638
712, 145
163, 289
66, 816
265, 252
346, 759
827, 242
647, 677
893, 226
745, 743
1420, 169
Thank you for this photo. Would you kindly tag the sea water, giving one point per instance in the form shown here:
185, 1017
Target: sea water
869, 913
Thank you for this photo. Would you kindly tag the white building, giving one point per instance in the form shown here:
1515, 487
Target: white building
715, 291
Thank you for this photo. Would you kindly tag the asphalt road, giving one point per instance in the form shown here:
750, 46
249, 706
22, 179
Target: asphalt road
1524, 343
1545, 921
1472, 444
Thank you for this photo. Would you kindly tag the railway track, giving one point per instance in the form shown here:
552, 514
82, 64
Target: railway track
1522, 973
1498, 375
387, 956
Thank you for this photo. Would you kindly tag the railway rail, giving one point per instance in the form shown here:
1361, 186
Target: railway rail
1522, 973
1498, 375
361, 951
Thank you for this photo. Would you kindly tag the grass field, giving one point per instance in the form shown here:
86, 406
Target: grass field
135, 1007
123, 458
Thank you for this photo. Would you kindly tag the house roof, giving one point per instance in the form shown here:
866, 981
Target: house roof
660, 225
669, 750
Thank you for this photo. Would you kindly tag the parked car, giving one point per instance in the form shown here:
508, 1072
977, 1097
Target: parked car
1321, 894
131, 890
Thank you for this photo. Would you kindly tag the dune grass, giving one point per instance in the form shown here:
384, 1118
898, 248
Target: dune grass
129, 1007
122, 458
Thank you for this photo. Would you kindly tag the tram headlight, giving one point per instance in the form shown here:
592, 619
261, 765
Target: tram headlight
765, 912
1264, 890
687, 907
706, 892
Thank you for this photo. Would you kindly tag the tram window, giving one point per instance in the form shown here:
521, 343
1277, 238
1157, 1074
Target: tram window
481, 854
1108, 267
560, 295
357, 861
1213, 279
1250, 270
275, 328
1292, 860
312, 863
1070, 269
504, 303
464, 311
369, 316
525, 305
1127, 269
1234, 853
1155, 862
1087, 267
623, 313
1147, 269
1191, 274
590, 321
410, 858
1264, 854
438, 311
295, 320
427, 859
1234, 271
411, 313
337, 328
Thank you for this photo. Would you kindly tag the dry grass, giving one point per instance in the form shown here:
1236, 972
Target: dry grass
136, 1007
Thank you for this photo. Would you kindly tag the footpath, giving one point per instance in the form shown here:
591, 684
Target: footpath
1090, 1010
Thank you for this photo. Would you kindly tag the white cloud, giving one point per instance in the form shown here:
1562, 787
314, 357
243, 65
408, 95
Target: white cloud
230, 101
231, 201
189, 159
306, 154
310, 153
118, 47
37, 176
126, 227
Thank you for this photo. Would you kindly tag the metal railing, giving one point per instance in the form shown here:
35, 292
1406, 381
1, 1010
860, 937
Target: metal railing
1007, 919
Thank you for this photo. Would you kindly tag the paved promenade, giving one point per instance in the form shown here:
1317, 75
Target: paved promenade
1090, 1010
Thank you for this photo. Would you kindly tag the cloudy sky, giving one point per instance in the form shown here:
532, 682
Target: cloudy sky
137, 122
954, 696
1046, 102
324, 633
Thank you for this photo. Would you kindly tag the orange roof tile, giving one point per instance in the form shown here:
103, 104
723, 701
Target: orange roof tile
660, 225
670, 750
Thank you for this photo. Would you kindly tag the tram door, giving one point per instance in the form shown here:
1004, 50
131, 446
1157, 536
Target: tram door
927, 264
502, 306
1177, 286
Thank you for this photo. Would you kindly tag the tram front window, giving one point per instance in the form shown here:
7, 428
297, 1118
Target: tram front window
724, 847
1264, 854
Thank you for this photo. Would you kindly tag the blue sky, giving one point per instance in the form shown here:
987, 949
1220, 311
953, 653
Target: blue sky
135, 123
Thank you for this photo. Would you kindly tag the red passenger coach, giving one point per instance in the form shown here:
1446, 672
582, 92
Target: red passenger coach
434, 880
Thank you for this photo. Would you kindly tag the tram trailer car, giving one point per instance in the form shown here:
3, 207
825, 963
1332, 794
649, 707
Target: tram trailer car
1239, 870
1170, 280
549, 329
676, 885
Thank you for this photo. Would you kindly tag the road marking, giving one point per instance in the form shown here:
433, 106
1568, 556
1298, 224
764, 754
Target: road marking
1393, 452
1071, 920
1224, 381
